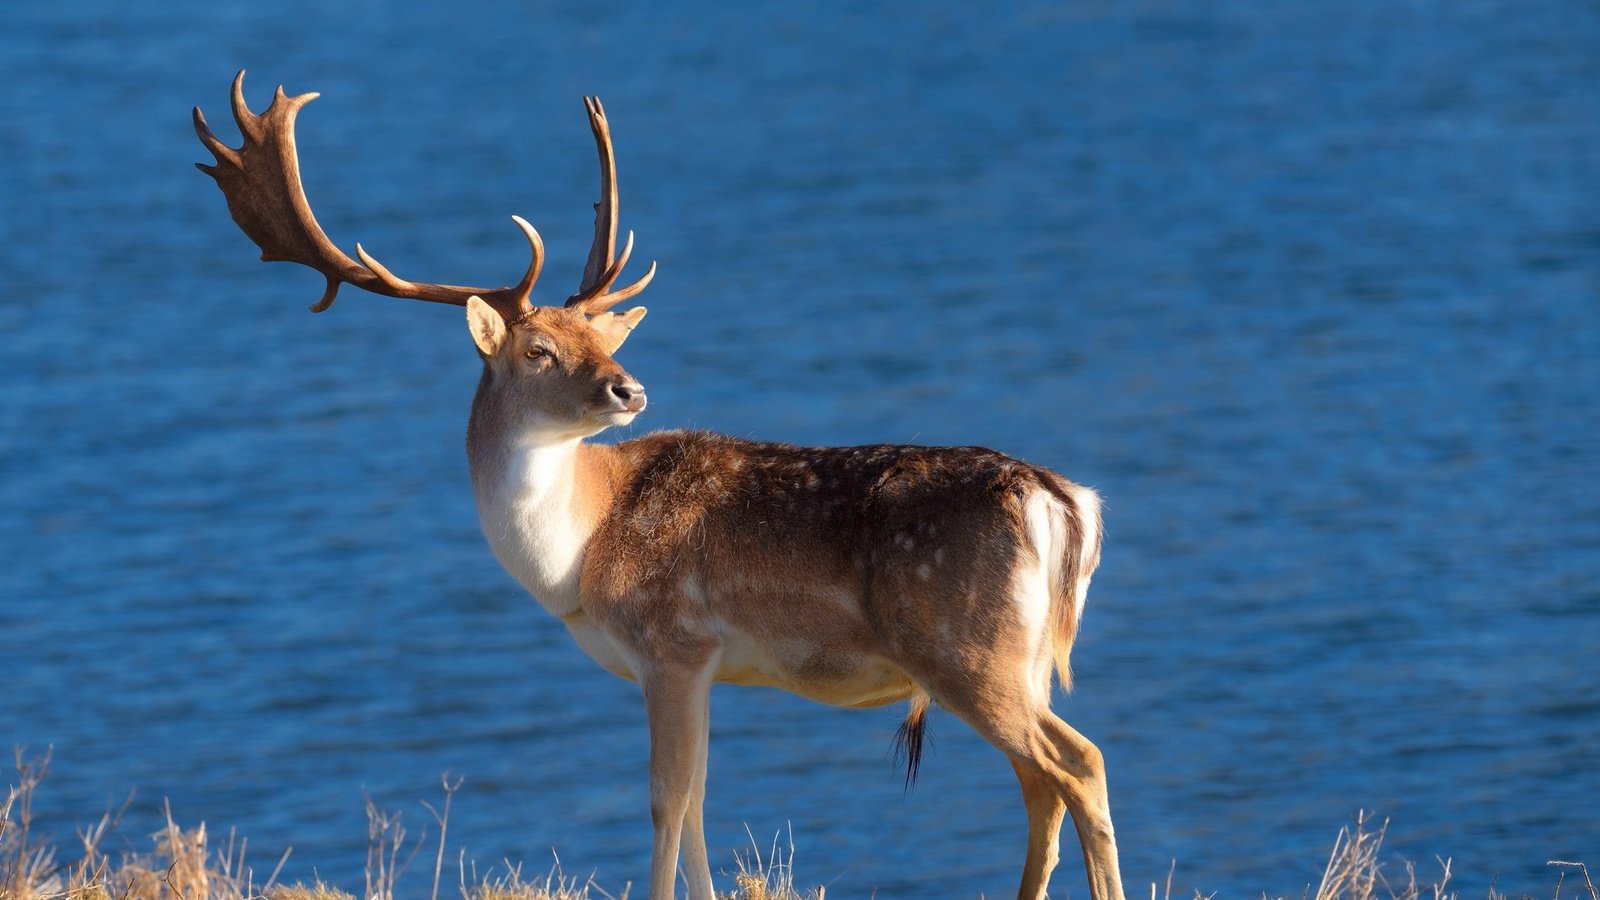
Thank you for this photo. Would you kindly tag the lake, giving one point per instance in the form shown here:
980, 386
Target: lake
1309, 292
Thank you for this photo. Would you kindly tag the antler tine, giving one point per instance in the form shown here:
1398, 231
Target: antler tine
597, 300
524, 288
261, 182
601, 271
249, 125
390, 280
605, 302
221, 151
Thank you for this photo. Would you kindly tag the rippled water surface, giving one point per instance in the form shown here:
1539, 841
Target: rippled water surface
1310, 292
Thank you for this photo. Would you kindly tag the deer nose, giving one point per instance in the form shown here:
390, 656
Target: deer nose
631, 393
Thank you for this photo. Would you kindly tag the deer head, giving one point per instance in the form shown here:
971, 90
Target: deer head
551, 370
553, 364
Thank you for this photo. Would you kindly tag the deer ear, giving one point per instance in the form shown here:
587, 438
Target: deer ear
487, 327
614, 327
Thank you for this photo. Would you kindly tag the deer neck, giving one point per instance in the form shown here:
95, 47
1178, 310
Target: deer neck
540, 498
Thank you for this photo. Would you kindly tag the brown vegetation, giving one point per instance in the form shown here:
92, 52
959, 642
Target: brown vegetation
185, 865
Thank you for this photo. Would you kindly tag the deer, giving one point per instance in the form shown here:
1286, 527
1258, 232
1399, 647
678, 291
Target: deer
854, 576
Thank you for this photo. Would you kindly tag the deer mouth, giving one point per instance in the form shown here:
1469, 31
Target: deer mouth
623, 412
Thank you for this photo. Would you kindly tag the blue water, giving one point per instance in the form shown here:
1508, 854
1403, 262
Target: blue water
1310, 292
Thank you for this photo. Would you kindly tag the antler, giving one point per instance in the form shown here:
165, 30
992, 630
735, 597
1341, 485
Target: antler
594, 295
261, 181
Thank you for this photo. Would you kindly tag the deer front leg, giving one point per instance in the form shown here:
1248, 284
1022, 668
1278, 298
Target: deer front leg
696, 862
678, 706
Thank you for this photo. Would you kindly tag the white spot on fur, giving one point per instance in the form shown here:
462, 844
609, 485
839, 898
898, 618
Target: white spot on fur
840, 597
694, 590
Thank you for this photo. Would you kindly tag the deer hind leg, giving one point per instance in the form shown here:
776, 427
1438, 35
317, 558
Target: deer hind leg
677, 704
1046, 810
1048, 755
1077, 770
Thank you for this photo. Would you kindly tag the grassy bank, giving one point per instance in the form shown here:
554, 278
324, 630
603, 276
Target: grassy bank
187, 864
191, 864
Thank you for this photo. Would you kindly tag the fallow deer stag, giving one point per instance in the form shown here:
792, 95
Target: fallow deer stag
856, 576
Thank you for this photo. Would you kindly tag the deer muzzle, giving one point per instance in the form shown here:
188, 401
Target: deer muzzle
628, 395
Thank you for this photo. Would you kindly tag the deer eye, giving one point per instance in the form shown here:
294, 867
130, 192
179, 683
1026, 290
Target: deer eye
536, 352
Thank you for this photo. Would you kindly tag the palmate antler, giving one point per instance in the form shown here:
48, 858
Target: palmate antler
261, 181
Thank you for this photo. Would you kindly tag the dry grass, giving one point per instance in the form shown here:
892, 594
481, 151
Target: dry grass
185, 865
1355, 871
769, 878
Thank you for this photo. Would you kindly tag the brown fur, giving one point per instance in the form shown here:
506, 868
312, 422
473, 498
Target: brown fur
752, 518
